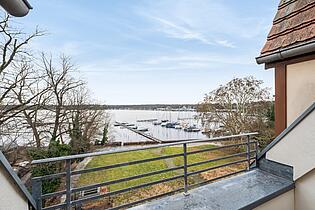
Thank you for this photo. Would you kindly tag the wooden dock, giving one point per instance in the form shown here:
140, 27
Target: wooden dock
148, 120
152, 138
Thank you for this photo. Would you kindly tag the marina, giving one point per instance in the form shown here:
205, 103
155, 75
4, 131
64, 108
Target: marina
126, 126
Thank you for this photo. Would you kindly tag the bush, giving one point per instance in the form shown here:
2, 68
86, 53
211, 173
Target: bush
55, 149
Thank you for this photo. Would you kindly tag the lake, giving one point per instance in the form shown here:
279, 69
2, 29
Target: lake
121, 134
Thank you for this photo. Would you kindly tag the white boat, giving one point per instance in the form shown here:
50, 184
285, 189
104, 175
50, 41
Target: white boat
178, 127
195, 130
157, 123
163, 124
148, 133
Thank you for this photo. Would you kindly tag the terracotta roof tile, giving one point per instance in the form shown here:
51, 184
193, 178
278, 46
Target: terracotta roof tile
293, 24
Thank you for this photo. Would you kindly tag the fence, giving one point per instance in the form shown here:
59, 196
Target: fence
72, 201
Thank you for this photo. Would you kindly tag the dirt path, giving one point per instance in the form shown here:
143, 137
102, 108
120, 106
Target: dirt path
169, 161
81, 165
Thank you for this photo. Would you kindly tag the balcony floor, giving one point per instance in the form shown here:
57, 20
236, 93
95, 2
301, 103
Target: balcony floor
245, 191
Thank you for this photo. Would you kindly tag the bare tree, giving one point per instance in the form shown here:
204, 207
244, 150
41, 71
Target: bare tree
85, 124
34, 115
14, 69
61, 85
238, 106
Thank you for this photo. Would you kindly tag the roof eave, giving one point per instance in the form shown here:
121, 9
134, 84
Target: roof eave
27, 4
288, 52
17, 8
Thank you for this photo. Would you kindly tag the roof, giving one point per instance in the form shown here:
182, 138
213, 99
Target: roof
4, 163
245, 191
293, 25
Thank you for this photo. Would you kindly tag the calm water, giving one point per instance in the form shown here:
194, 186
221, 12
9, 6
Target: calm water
131, 116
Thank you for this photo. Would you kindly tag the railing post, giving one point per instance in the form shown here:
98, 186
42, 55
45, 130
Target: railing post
185, 170
256, 153
248, 152
37, 192
68, 184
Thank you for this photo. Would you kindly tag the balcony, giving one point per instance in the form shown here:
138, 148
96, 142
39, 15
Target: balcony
248, 185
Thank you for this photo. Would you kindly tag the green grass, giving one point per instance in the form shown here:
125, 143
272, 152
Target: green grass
136, 169
125, 171
199, 157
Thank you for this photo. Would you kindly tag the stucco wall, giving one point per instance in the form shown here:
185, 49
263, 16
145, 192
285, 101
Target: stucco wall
300, 88
10, 196
305, 192
297, 148
284, 201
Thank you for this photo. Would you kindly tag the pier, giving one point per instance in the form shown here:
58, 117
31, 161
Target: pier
152, 138
147, 120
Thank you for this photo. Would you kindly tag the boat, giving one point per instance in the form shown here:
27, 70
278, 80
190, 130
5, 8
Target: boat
170, 125
163, 124
163, 121
191, 129
147, 120
157, 123
147, 133
178, 127
143, 129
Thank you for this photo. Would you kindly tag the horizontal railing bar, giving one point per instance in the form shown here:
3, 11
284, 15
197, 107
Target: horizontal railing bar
50, 176
217, 159
217, 178
218, 148
58, 206
216, 167
125, 179
147, 199
48, 195
71, 157
125, 190
124, 164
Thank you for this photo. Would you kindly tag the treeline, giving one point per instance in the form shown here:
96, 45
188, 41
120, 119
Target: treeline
153, 106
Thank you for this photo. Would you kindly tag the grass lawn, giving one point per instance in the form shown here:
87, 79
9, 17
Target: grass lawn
126, 171
131, 170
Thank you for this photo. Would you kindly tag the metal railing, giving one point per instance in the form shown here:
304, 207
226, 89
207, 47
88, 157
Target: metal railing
73, 202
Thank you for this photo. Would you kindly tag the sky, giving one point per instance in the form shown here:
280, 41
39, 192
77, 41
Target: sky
155, 51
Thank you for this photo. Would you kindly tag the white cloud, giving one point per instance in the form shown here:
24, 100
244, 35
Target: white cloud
175, 30
210, 22
226, 43
169, 62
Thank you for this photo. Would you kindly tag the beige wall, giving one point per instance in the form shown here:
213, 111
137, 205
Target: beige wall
300, 88
10, 196
282, 202
305, 192
297, 148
